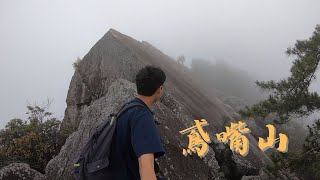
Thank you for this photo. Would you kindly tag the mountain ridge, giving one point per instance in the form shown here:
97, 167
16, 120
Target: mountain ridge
112, 63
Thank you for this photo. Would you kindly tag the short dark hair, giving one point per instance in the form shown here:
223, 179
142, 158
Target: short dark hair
149, 79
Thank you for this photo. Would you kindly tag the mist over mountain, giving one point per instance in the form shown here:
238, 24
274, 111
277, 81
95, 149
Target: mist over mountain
225, 79
104, 79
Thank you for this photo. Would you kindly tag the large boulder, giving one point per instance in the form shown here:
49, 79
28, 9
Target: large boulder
105, 78
172, 165
18, 171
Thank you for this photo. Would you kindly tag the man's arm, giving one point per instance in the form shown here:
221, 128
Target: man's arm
146, 143
146, 167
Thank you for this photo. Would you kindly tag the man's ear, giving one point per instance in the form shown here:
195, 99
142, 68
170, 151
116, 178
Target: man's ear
158, 90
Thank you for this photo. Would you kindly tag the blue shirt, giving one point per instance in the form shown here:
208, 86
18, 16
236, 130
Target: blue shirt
136, 134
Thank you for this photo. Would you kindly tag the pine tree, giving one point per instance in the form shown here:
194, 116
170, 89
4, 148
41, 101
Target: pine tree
291, 97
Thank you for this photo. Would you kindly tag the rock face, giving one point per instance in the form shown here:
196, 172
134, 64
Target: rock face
104, 79
17, 171
264, 175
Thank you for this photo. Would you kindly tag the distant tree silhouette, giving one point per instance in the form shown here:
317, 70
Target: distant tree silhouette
76, 63
181, 59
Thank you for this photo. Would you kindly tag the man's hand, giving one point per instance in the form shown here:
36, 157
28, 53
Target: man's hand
146, 167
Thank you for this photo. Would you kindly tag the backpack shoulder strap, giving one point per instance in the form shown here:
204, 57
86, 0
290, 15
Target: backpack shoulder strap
128, 106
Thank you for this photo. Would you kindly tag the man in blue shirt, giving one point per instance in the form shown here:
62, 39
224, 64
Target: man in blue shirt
136, 142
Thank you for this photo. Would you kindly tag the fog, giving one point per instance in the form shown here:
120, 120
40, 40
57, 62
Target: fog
39, 40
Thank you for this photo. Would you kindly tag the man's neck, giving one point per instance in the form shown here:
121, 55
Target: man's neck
147, 100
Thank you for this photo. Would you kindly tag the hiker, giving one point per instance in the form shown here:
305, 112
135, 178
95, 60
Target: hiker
136, 141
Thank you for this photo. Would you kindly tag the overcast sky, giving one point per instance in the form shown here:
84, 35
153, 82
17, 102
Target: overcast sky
39, 40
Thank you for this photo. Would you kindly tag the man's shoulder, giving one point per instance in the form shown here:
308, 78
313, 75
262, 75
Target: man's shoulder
137, 111
139, 101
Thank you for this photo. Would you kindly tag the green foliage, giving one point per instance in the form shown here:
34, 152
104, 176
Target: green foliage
305, 164
291, 97
311, 152
34, 141
279, 163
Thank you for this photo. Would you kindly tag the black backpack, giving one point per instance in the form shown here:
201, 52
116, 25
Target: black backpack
93, 162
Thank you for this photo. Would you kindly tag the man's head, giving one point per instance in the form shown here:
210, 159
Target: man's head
149, 82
